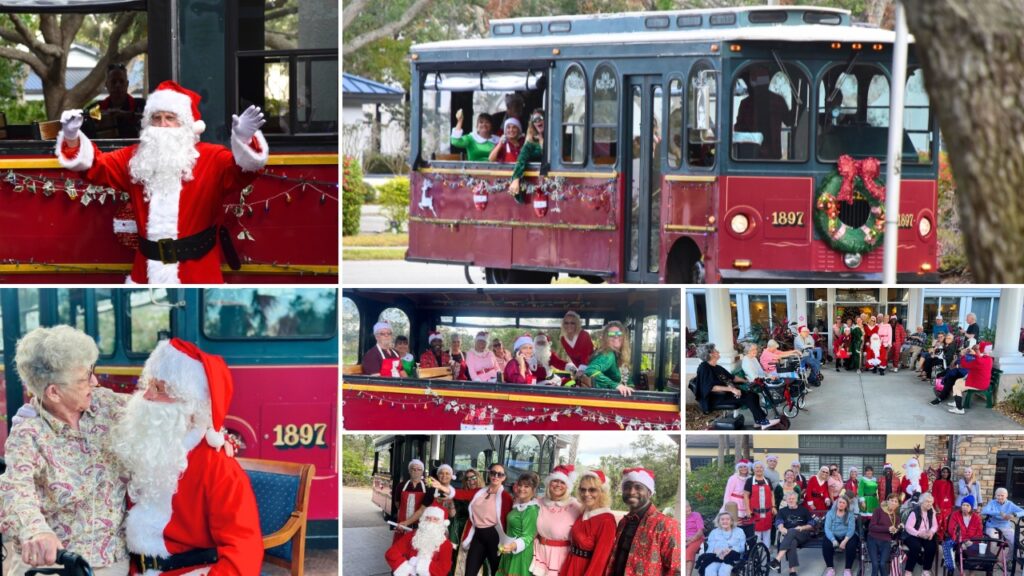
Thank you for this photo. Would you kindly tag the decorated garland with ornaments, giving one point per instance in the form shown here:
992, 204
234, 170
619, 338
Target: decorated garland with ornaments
853, 179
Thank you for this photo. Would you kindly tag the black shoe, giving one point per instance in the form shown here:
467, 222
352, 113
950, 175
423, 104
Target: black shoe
776, 565
881, 372
936, 402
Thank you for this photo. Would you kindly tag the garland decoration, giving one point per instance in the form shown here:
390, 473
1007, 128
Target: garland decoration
853, 179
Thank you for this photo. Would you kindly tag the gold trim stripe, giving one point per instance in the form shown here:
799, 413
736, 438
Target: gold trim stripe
689, 228
137, 370
508, 173
274, 160
689, 178
595, 403
514, 224
106, 268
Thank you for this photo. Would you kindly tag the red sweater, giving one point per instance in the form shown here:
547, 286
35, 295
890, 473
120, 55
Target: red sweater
960, 531
979, 372
578, 354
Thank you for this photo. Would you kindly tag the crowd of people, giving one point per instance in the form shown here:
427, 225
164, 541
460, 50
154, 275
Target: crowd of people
787, 509
531, 360
484, 528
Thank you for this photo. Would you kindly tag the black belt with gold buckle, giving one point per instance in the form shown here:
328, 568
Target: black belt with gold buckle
197, 557
580, 552
170, 250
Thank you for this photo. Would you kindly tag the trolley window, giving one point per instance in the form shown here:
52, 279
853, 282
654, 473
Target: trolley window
702, 116
853, 112
350, 332
262, 313
917, 120
150, 320
574, 116
604, 123
769, 112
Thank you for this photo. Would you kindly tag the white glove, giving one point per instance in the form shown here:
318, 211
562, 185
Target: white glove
71, 123
570, 367
244, 127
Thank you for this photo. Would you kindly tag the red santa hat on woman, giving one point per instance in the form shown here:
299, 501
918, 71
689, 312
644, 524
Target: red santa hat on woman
601, 478
640, 475
743, 464
985, 348
564, 472
170, 96
194, 375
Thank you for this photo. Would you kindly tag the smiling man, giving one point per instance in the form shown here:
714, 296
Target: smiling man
646, 541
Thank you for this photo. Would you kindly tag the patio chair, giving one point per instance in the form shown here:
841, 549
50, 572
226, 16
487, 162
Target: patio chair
282, 496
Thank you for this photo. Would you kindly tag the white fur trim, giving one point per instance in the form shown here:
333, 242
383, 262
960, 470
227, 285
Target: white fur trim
215, 438
83, 161
152, 573
250, 160
641, 477
198, 127
170, 101
595, 512
423, 569
144, 527
184, 376
520, 545
159, 273
404, 569
481, 493
433, 512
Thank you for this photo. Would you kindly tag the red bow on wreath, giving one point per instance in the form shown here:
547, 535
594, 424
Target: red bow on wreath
868, 170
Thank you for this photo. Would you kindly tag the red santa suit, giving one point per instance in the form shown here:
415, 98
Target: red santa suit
874, 353
885, 335
870, 331
197, 206
408, 556
213, 506
816, 495
579, 351
919, 484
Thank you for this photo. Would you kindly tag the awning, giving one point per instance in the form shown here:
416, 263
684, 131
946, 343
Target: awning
64, 6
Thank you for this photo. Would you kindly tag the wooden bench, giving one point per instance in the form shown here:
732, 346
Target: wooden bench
444, 373
352, 369
989, 394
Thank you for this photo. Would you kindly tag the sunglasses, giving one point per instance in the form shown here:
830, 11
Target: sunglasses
470, 478
537, 119
589, 490
497, 474
615, 334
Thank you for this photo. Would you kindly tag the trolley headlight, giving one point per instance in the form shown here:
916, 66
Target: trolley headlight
739, 223
924, 226
852, 260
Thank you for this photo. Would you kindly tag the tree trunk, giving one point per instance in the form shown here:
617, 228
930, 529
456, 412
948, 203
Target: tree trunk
722, 443
972, 54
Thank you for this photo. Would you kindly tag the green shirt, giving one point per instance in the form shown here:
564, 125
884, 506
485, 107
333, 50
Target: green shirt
476, 150
604, 371
531, 152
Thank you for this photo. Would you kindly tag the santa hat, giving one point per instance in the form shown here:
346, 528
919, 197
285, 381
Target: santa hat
170, 96
522, 341
540, 337
801, 328
416, 461
771, 457
794, 463
444, 467
601, 478
383, 325
641, 475
886, 465
984, 347
434, 336
564, 472
743, 463
756, 464
512, 121
192, 374
436, 512
481, 336
852, 470
914, 460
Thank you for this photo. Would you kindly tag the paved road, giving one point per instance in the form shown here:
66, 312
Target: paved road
382, 272
364, 535
371, 220
851, 401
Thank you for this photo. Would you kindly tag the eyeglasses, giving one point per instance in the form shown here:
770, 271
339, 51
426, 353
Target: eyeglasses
536, 119
496, 474
590, 490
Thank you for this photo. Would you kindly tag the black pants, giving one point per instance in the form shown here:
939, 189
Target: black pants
749, 400
931, 363
849, 556
921, 552
791, 542
484, 546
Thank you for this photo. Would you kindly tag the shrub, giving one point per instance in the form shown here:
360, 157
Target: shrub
394, 202
952, 255
369, 194
352, 194
705, 487
377, 163
1015, 399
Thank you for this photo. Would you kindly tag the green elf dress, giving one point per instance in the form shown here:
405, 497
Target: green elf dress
857, 349
603, 370
521, 528
867, 488
478, 148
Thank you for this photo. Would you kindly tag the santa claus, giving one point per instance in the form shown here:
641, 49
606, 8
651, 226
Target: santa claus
875, 355
192, 509
425, 551
914, 480
540, 364
176, 183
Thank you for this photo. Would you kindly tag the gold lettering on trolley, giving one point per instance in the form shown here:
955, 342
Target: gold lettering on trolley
305, 435
790, 218
906, 221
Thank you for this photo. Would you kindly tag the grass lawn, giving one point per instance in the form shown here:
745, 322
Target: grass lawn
375, 240
352, 254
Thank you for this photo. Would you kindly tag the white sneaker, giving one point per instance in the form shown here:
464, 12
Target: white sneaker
960, 411
771, 422
830, 572
951, 403
895, 370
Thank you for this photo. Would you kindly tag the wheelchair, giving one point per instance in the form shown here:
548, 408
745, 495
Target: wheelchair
754, 561
72, 565
767, 399
789, 393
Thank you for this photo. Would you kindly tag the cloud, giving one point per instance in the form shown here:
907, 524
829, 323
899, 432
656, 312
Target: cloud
594, 445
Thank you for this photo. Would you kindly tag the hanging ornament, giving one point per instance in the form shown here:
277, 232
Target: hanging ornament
540, 203
125, 229
480, 196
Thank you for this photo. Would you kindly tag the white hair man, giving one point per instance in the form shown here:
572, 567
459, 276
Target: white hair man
425, 551
1002, 515
914, 480
176, 183
192, 504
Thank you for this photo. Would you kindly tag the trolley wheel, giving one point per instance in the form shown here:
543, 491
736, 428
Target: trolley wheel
791, 410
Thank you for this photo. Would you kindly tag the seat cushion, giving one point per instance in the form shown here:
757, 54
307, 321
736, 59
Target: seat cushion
275, 498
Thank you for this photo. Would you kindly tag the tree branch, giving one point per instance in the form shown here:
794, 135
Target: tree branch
279, 41
280, 13
351, 11
27, 57
69, 26
48, 26
28, 39
124, 22
386, 30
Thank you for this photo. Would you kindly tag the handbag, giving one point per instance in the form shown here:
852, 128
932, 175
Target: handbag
939, 386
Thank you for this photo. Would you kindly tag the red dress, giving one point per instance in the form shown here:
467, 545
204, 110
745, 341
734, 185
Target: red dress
817, 492
219, 174
593, 532
578, 352
945, 502
512, 375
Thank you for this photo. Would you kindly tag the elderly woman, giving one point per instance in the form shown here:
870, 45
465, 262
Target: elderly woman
882, 529
715, 384
771, 356
922, 540
481, 362
758, 499
726, 544
592, 537
576, 343
978, 364
558, 512
609, 365
383, 359
63, 485
805, 344
962, 528
794, 523
411, 497
751, 366
694, 536
457, 358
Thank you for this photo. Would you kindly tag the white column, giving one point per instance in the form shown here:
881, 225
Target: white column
831, 303
915, 310
1008, 358
796, 304
720, 325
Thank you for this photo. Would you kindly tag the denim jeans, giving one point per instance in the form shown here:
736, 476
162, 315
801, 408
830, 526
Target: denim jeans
878, 551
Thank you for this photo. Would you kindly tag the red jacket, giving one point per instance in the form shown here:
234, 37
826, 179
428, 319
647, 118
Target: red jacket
512, 375
402, 550
815, 495
979, 372
428, 360
578, 354
961, 532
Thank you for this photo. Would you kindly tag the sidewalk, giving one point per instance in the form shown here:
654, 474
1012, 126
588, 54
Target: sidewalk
896, 401
364, 534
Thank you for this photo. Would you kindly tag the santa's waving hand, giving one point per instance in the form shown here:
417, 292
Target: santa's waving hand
177, 185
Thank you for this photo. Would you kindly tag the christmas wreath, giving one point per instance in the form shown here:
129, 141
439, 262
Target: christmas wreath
852, 179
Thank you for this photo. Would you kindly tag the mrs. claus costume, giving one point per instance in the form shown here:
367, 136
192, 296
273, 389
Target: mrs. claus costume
189, 215
734, 489
556, 518
410, 557
213, 506
592, 537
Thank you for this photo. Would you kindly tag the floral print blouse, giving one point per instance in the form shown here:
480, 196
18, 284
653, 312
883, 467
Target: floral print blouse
67, 482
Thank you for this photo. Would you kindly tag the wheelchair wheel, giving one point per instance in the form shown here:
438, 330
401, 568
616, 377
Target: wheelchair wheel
758, 562
784, 423
791, 410
802, 402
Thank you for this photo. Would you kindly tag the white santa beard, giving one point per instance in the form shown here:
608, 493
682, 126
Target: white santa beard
543, 355
428, 539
